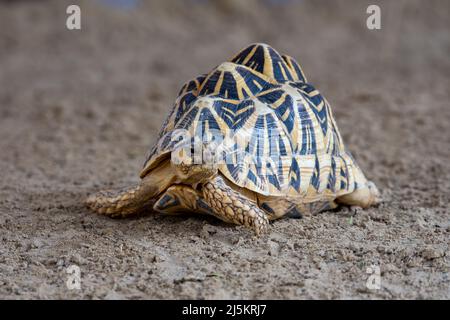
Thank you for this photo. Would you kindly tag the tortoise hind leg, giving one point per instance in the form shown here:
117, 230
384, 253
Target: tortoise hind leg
364, 193
364, 196
230, 206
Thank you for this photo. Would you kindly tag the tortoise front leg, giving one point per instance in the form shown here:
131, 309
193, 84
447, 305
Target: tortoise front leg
124, 202
231, 206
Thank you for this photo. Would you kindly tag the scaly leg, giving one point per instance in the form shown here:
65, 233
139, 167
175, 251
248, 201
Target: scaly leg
231, 206
121, 203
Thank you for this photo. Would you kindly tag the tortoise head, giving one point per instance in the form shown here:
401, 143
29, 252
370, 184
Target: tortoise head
191, 168
194, 174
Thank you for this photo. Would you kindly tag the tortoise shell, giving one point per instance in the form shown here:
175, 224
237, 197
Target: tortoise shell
262, 102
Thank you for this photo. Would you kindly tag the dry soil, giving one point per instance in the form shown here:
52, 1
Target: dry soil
79, 110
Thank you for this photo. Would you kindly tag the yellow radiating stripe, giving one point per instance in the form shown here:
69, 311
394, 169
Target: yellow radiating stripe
313, 93
266, 92
320, 106
264, 147
257, 84
329, 137
229, 117
251, 53
311, 127
282, 70
290, 66
308, 138
228, 100
285, 114
280, 100
197, 86
219, 83
244, 109
222, 125
239, 84
296, 134
291, 71
206, 80
268, 67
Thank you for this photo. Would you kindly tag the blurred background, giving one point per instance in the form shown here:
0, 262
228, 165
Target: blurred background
79, 110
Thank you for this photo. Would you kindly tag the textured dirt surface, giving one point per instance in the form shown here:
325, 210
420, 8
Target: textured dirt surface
80, 109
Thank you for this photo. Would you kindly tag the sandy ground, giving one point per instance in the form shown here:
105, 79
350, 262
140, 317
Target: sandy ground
80, 109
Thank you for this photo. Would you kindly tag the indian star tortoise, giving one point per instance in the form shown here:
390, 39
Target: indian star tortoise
269, 147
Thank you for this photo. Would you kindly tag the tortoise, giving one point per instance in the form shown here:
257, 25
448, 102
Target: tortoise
284, 154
